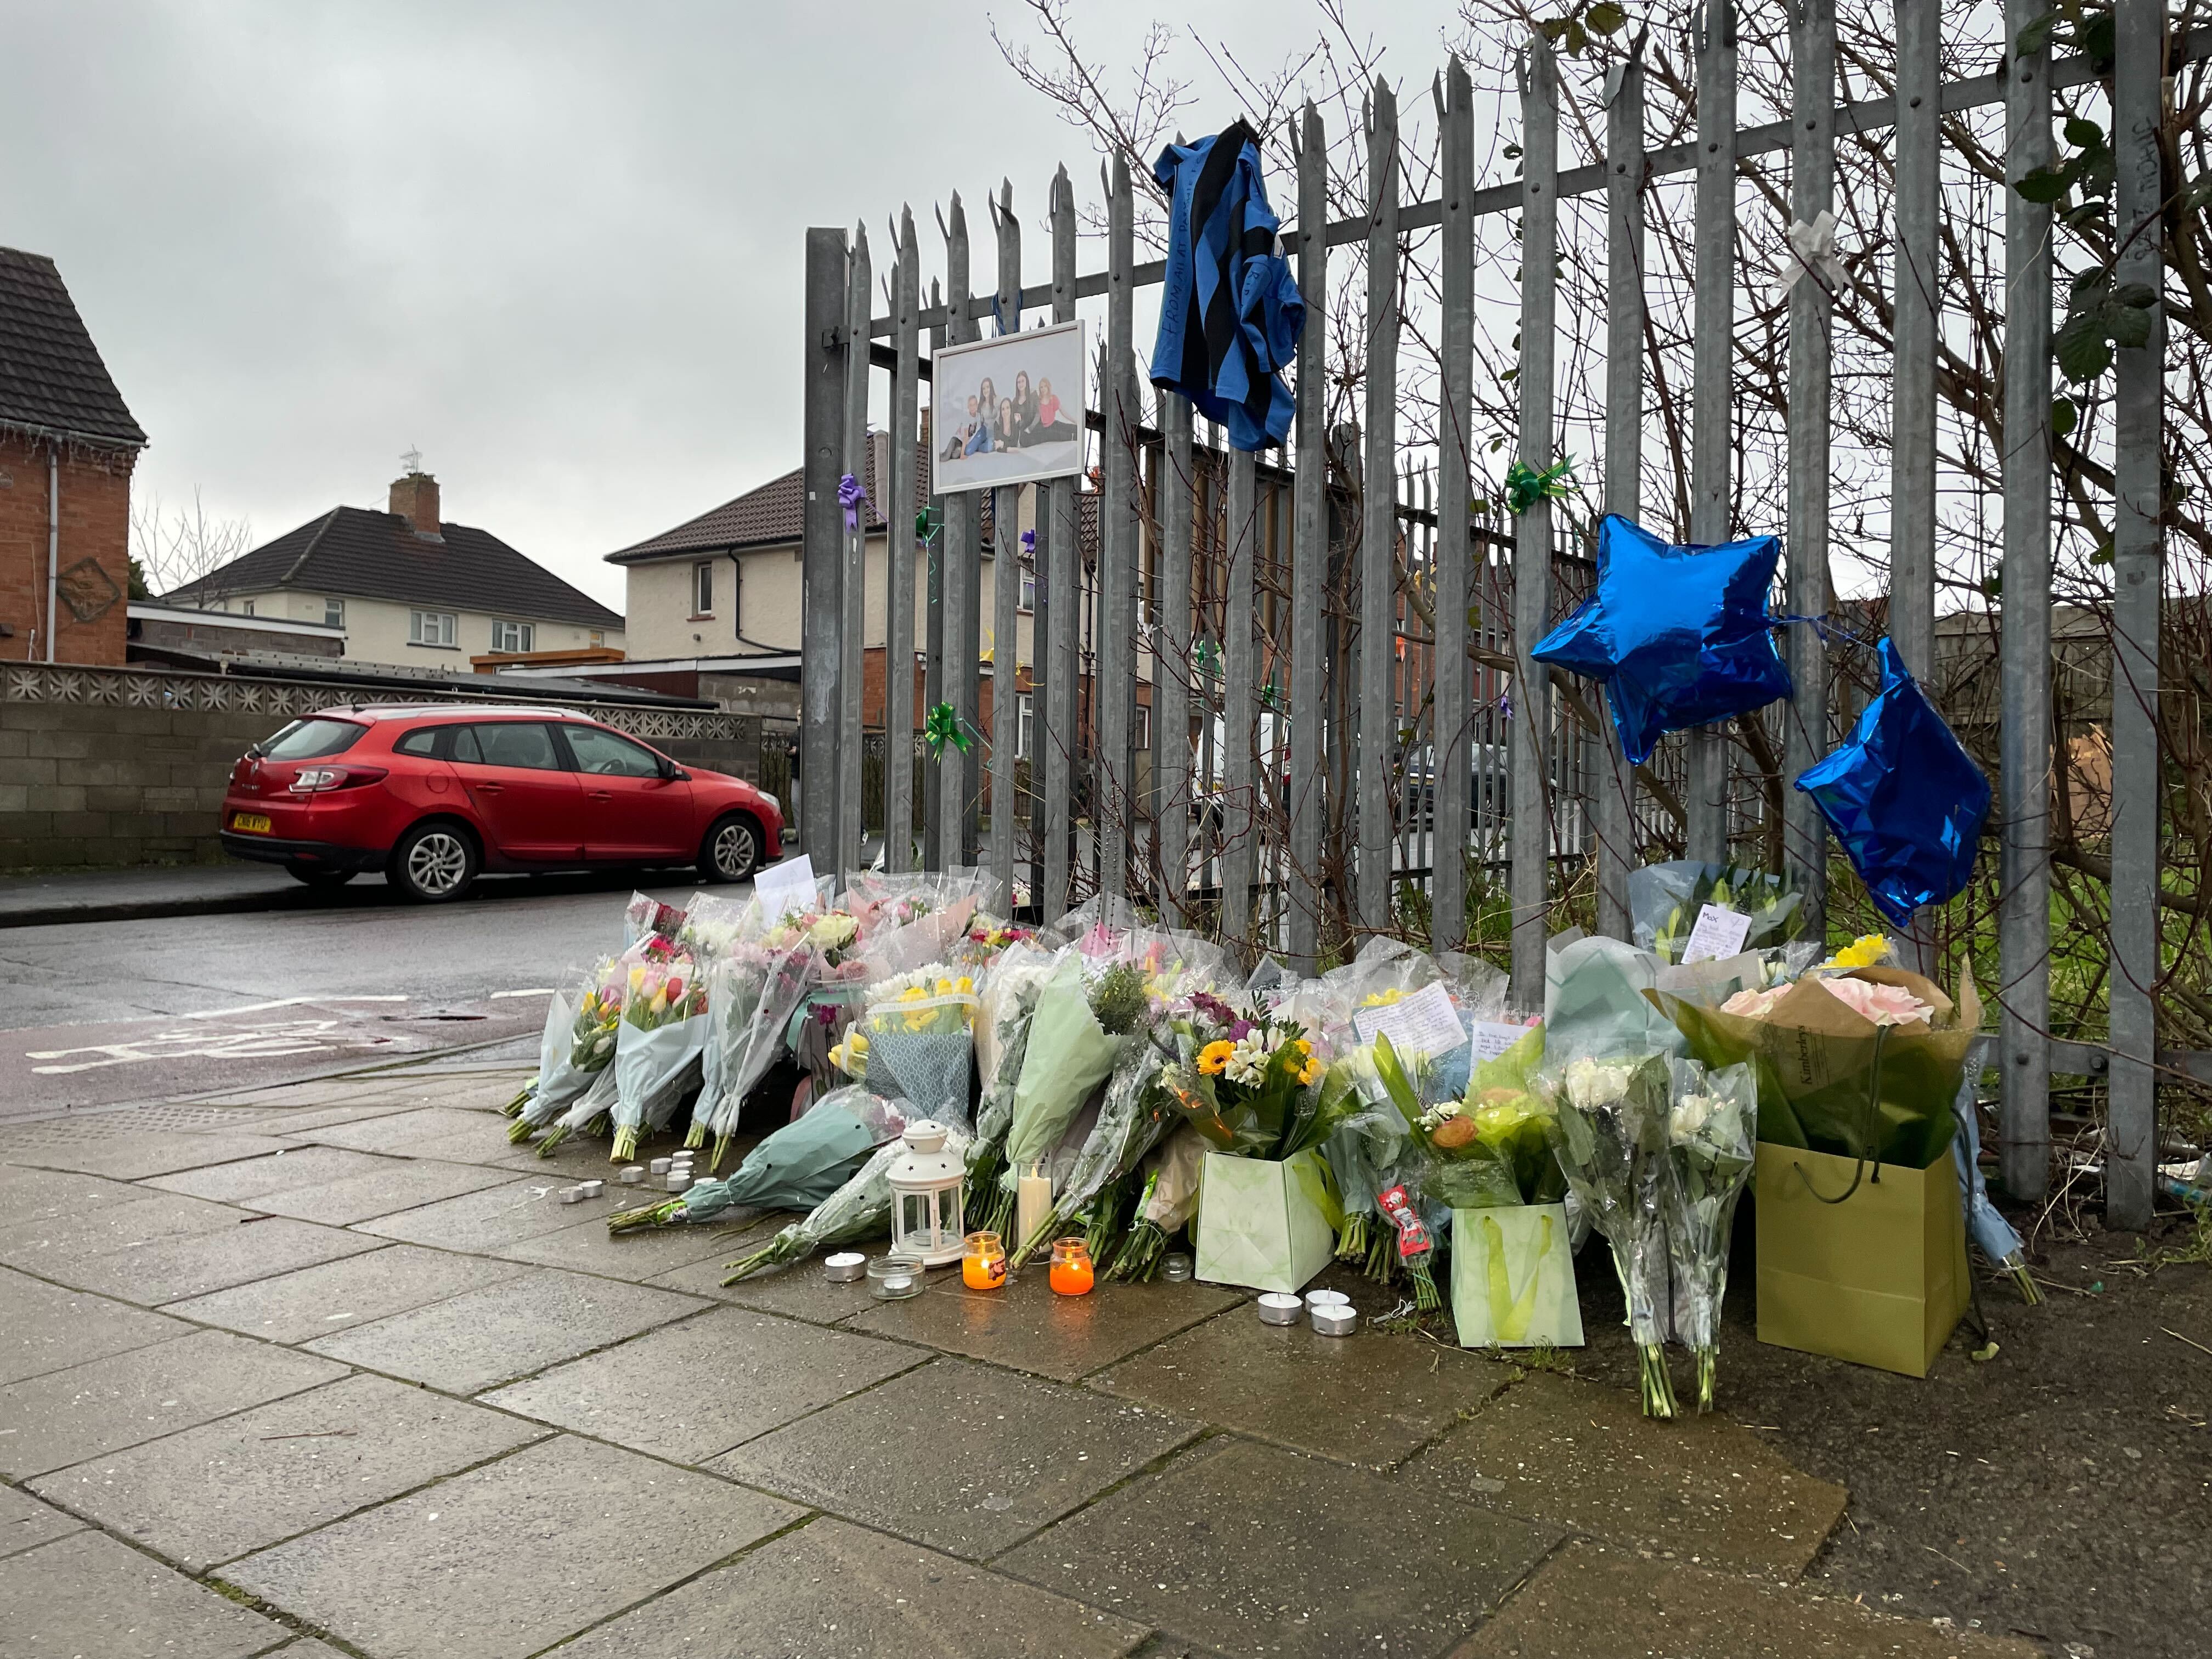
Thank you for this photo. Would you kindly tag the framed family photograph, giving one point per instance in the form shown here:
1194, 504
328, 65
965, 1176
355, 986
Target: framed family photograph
1007, 410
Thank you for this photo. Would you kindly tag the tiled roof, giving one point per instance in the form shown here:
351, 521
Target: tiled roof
773, 514
360, 553
51, 374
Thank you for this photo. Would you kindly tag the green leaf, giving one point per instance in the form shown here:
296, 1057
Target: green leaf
1551, 28
2139, 296
1577, 40
2045, 185
2125, 325
2036, 36
1605, 19
2081, 350
2103, 554
2063, 416
2099, 39
2083, 134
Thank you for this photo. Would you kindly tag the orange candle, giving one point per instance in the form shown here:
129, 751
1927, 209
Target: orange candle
984, 1265
1071, 1273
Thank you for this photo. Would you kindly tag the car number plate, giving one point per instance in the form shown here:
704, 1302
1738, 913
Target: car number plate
250, 821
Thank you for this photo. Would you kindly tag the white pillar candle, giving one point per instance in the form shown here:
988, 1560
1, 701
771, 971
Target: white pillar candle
1032, 1201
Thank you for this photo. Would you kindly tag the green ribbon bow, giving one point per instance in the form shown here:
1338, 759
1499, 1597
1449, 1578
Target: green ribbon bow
941, 727
1525, 486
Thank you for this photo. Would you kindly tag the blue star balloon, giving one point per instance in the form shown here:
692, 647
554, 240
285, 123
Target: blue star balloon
1679, 635
1905, 801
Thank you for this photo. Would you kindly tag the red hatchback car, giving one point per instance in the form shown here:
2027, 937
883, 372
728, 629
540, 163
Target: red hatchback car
433, 795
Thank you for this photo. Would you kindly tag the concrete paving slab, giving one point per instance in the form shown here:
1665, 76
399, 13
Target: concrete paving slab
574, 1532
1590, 1602
133, 1157
579, 1158
44, 1245
87, 1596
46, 1327
339, 1295
404, 1132
589, 1247
710, 1383
400, 1184
29, 1195
292, 1166
834, 1591
481, 1221
1251, 1548
307, 1648
1707, 1490
325, 1117
173, 1269
217, 1492
959, 1456
1368, 1399
26, 1523
1027, 1327
66, 1417
483, 1337
798, 1291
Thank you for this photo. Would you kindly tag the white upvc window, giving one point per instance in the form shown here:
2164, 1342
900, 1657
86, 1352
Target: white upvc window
440, 627
1028, 599
702, 588
513, 635
249, 608
1024, 726
334, 613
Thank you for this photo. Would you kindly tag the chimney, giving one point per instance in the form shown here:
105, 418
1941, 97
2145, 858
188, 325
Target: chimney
415, 498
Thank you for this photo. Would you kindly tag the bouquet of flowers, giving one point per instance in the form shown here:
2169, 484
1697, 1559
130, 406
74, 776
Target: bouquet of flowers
1005, 1005
646, 917
1710, 1145
1165, 1204
656, 1048
1243, 1080
917, 1036
751, 994
860, 1209
795, 1168
586, 1038
714, 927
1664, 901
1076, 1034
1608, 1128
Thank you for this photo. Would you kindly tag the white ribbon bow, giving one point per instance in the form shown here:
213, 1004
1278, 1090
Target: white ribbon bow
1812, 248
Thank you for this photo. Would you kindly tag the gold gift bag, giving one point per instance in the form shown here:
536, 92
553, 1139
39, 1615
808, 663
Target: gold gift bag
1859, 1260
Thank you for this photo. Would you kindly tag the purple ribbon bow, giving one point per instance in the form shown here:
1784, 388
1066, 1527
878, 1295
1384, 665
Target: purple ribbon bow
1029, 541
849, 496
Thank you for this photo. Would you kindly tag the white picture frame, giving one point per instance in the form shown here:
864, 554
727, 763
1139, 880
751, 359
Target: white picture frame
1037, 379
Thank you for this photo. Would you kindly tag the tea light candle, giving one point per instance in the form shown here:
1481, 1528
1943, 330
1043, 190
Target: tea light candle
894, 1278
590, 1188
660, 1165
1327, 1300
572, 1195
1276, 1308
1335, 1319
845, 1267
1176, 1270
631, 1175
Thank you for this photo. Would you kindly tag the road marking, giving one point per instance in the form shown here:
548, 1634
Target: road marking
284, 1002
535, 991
297, 1036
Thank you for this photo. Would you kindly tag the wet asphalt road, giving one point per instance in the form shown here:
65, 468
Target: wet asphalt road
99, 1013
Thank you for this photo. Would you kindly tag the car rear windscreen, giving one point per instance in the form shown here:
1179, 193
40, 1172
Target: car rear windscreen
311, 739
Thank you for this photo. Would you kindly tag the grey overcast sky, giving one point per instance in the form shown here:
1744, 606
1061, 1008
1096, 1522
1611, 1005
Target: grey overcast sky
557, 247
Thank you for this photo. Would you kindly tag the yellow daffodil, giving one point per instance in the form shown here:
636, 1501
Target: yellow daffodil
1215, 1056
850, 1055
1385, 998
1863, 951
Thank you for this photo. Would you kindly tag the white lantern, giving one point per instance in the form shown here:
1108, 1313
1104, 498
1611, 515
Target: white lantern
926, 1183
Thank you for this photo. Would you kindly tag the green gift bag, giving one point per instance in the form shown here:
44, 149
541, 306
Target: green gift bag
1859, 1260
1513, 1278
1266, 1225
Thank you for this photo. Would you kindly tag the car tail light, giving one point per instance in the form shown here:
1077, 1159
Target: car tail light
315, 780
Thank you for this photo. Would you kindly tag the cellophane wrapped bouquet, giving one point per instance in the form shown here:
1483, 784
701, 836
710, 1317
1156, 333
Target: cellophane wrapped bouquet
657, 1044
1711, 1129
593, 1028
564, 1078
752, 992
796, 1167
915, 1040
1608, 1128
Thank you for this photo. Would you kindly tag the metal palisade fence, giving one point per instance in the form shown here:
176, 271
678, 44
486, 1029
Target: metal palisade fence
1286, 697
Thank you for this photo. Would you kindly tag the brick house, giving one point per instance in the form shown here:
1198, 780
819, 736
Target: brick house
68, 444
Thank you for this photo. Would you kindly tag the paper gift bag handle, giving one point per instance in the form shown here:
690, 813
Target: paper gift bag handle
1874, 1118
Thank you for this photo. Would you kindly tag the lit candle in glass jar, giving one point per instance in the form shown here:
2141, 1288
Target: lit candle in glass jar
984, 1265
1071, 1273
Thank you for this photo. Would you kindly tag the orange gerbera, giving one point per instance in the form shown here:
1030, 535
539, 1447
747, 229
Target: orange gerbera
1214, 1056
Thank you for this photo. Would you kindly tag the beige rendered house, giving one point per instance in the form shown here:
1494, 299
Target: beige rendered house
409, 588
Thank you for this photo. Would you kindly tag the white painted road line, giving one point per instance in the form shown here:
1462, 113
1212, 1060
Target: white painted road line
535, 991
284, 1002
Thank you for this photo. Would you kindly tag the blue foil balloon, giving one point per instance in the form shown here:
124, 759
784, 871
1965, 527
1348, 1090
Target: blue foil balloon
1905, 799
1679, 635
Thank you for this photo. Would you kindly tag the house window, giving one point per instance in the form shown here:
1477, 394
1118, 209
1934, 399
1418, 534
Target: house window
1024, 726
248, 610
702, 588
513, 636
598, 638
1028, 600
1143, 727
438, 627
334, 613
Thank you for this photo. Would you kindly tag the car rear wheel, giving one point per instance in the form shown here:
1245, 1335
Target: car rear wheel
319, 875
732, 849
432, 864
